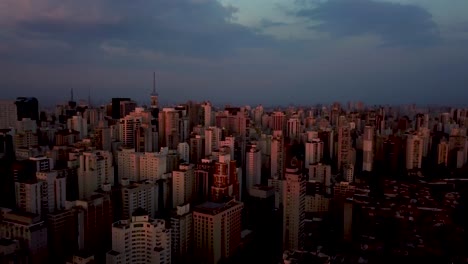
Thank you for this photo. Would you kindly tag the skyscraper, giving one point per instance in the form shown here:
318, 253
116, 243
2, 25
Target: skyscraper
197, 148
30, 231
95, 169
139, 195
277, 155
217, 230
253, 167
293, 128
128, 128
294, 191
93, 222
128, 162
182, 233
414, 151
368, 150
8, 114
442, 153
279, 121
314, 152
27, 107
207, 120
344, 145
183, 185
140, 240
153, 165
212, 139
53, 191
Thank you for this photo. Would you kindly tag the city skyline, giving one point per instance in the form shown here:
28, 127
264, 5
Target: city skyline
237, 52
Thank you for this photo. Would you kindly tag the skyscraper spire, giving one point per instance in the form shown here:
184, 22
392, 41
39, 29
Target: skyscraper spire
71, 95
154, 83
154, 94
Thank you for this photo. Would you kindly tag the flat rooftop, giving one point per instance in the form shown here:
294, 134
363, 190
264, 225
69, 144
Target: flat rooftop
215, 208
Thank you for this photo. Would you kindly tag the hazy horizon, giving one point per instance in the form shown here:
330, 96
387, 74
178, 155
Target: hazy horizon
237, 51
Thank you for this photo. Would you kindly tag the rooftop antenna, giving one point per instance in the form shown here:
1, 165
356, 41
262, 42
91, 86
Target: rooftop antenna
71, 95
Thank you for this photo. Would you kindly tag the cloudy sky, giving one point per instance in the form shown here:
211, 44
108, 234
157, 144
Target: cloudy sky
236, 51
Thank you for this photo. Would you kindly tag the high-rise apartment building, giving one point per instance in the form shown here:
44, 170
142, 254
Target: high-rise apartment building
212, 139
368, 148
277, 155
293, 127
139, 195
60, 235
344, 145
294, 191
29, 196
140, 240
278, 121
183, 149
183, 185
442, 153
79, 124
225, 178
197, 148
128, 162
93, 222
128, 127
169, 128
8, 114
94, 170
348, 172
253, 167
217, 230
182, 233
314, 152
30, 231
320, 173
414, 152
102, 137
54, 191
207, 120
153, 165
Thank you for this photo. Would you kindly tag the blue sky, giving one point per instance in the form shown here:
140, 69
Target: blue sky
237, 51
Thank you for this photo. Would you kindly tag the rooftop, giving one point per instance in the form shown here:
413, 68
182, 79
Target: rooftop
215, 208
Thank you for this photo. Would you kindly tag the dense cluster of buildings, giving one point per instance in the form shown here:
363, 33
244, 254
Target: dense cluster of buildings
193, 183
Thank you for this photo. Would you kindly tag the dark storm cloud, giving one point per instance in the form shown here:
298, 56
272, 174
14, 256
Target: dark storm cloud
181, 27
395, 24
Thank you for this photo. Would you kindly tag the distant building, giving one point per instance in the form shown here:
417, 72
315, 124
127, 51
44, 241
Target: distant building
414, 152
344, 145
8, 114
443, 153
27, 107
